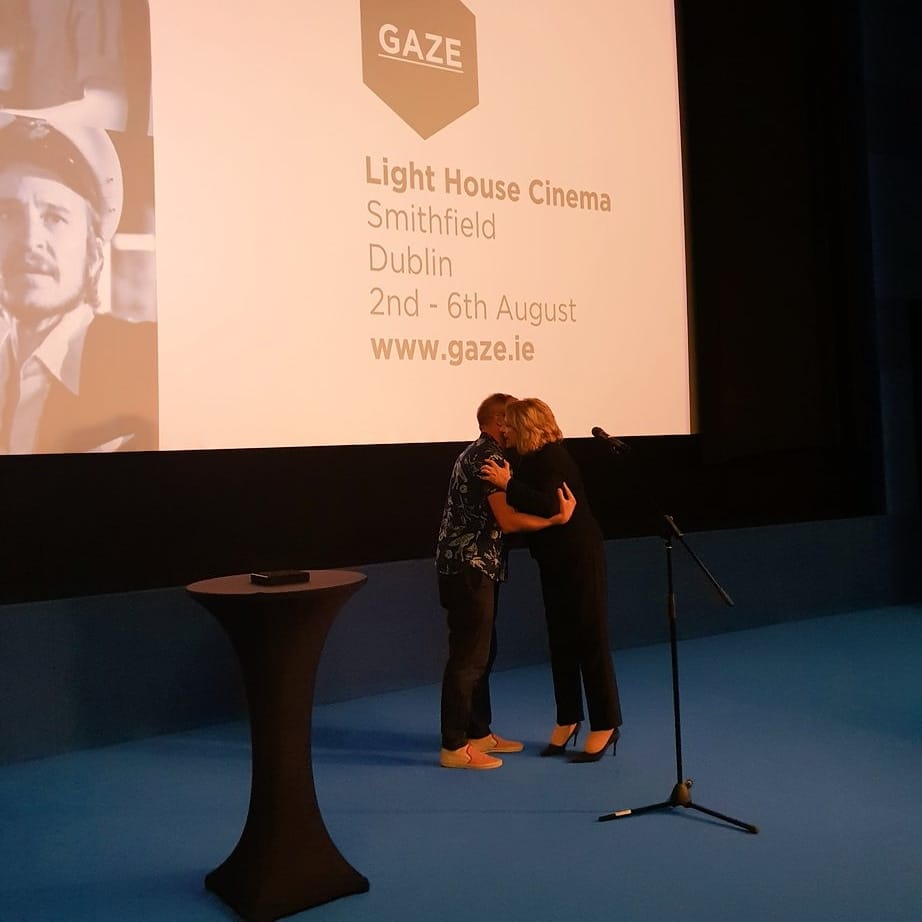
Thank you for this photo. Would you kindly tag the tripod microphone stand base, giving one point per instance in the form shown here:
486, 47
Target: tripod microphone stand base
680, 797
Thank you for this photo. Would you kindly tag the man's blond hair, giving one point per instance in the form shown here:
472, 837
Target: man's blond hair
492, 405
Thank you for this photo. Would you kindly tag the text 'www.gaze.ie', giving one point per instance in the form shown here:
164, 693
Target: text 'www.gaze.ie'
454, 351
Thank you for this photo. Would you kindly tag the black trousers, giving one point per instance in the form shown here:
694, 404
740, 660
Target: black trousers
469, 598
576, 608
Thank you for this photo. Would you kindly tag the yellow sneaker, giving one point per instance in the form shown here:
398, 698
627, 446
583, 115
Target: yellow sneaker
467, 757
493, 743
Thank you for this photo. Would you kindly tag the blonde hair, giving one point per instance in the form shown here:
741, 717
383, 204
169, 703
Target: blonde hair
531, 425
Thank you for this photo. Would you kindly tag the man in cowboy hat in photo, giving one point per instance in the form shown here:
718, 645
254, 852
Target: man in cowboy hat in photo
73, 378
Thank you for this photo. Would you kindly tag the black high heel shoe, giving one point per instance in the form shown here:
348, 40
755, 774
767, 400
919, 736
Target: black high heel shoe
595, 756
552, 749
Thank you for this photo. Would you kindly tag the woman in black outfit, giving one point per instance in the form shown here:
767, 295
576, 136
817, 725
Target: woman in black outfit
571, 561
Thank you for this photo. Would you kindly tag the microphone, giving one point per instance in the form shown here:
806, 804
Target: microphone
615, 444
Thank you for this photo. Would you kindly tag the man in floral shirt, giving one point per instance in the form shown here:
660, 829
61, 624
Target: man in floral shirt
470, 559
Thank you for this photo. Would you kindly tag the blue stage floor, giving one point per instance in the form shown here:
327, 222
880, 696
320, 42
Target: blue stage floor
811, 730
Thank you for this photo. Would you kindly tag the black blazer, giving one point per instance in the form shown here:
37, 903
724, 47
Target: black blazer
533, 488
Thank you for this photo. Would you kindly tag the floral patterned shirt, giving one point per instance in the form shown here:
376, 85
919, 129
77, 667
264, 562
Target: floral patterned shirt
469, 535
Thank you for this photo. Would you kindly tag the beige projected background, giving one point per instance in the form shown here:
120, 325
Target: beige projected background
284, 306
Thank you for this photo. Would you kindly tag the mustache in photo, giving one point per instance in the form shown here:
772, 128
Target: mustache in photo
29, 262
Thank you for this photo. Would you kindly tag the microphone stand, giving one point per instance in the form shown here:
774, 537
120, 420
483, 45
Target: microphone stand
681, 792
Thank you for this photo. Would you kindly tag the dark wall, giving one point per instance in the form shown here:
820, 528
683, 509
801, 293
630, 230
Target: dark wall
784, 355
892, 36
79, 673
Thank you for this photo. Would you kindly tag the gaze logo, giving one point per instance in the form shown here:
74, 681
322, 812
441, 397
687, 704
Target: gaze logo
420, 58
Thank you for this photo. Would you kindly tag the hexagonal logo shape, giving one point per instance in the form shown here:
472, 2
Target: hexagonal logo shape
420, 58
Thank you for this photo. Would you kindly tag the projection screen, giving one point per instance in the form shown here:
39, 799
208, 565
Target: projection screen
337, 223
